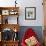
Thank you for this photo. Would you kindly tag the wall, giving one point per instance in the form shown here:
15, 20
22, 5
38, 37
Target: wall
39, 13
26, 3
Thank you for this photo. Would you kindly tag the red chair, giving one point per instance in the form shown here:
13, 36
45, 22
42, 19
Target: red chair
29, 33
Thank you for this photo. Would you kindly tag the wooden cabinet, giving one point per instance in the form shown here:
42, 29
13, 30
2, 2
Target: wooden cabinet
5, 26
10, 43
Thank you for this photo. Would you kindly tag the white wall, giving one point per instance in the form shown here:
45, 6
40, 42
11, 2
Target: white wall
27, 3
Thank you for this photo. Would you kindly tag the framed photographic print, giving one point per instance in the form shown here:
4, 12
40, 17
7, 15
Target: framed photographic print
5, 12
30, 13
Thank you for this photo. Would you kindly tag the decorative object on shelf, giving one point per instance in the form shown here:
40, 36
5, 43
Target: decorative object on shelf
15, 29
7, 34
15, 34
15, 3
13, 12
15, 37
30, 13
0, 12
6, 21
5, 12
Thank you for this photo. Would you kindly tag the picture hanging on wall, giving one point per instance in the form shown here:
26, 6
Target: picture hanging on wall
30, 13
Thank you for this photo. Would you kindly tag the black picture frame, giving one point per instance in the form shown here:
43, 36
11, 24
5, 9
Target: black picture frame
30, 13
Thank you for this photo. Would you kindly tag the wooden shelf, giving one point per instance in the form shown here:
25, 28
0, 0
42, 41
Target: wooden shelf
9, 43
9, 9
11, 26
4, 13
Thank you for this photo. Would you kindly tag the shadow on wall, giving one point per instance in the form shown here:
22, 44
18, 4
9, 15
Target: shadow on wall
37, 29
